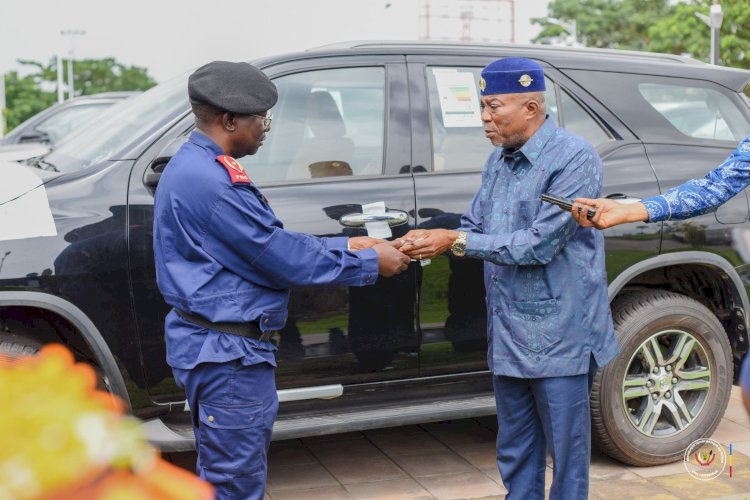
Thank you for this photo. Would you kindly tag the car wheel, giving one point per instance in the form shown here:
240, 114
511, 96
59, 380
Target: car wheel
14, 345
669, 385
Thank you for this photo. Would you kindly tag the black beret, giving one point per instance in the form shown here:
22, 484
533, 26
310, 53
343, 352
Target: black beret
236, 87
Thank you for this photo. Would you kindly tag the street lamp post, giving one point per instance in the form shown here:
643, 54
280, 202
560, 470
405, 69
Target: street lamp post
714, 19
72, 34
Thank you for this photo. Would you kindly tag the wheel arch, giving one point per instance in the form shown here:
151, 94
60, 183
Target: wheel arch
704, 276
82, 324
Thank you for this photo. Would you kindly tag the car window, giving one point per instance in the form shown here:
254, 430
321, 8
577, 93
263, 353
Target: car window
662, 108
458, 140
120, 127
69, 119
577, 120
326, 123
703, 113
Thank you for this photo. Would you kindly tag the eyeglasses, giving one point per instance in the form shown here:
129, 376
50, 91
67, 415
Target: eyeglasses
266, 121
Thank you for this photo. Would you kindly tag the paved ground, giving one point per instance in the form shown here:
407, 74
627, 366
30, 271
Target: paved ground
456, 460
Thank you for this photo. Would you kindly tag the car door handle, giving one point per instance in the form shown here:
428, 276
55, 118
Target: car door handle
358, 219
622, 198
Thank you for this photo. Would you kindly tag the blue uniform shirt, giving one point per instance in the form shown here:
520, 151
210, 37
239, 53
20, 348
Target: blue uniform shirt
547, 303
221, 253
698, 196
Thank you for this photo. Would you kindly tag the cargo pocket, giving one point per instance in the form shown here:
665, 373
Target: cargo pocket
534, 325
231, 437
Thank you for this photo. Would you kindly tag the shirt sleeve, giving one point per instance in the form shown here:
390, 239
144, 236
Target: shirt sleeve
551, 227
471, 221
699, 196
245, 237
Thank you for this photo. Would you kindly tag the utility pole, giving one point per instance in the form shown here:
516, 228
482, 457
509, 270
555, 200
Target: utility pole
2, 105
714, 19
60, 91
72, 34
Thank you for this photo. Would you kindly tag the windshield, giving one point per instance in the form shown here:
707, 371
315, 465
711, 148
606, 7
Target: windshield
132, 120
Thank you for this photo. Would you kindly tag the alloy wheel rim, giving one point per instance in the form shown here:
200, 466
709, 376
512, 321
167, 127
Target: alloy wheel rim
666, 384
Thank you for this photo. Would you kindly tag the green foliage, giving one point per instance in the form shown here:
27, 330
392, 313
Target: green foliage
652, 25
26, 96
682, 32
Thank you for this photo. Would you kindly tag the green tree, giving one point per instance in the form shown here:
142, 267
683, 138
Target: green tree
30, 94
617, 24
683, 33
652, 25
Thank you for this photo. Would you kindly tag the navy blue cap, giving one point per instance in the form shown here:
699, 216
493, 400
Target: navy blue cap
236, 87
512, 75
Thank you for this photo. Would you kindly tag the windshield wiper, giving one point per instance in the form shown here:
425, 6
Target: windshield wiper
40, 162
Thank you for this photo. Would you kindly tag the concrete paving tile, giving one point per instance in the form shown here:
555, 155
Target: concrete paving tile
736, 393
730, 432
688, 488
291, 452
636, 489
603, 468
481, 458
397, 489
658, 470
464, 485
408, 444
494, 474
737, 414
367, 470
295, 477
433, 464
326, 493
352, 449
466, 438
344, 436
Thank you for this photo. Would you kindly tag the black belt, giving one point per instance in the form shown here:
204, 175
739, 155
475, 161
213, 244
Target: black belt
249, 330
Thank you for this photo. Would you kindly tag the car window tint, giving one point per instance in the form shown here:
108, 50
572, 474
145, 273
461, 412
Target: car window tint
655, 107
66, 121
326, 123
458, 139
579, 121
696, 112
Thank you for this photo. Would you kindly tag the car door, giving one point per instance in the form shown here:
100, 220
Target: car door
323, 160
449, 150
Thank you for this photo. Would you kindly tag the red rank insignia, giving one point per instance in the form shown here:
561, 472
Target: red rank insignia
236, 172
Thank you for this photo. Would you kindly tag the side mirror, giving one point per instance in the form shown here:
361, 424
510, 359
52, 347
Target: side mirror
34, 136
153, 172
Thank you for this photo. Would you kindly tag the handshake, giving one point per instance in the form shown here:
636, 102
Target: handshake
394, 256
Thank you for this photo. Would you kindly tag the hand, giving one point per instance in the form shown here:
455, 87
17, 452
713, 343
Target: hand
390, 260
362, 242
426, 244
608, 212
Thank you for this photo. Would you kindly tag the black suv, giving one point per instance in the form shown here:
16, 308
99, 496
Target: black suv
399, 124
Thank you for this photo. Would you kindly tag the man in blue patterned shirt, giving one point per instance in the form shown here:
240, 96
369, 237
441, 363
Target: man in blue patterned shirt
694, 197
544, 342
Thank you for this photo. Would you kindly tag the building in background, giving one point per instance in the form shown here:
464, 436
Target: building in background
468, 20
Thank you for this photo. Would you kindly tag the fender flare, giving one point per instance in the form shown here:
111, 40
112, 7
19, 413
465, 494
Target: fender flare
671, 259
80, 322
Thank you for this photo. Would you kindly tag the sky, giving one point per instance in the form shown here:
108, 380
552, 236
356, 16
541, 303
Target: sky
169, 37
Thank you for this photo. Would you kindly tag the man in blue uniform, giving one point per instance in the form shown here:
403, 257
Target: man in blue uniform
225, 263
544, 343
692, 198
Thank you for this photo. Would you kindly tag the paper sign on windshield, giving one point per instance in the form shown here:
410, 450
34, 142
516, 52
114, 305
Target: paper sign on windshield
459, 102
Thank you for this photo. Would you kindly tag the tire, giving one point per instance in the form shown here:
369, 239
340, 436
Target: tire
683, 402
16, 345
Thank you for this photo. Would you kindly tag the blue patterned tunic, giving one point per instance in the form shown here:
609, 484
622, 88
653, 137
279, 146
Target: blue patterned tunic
547, 303
698, 196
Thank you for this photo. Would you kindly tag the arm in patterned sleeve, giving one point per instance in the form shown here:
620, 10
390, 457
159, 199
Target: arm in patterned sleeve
699, 196
551, 228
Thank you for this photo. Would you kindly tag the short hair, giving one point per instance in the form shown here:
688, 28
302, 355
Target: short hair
541, 99
205, 112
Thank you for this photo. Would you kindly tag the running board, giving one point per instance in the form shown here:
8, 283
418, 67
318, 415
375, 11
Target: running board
173, 438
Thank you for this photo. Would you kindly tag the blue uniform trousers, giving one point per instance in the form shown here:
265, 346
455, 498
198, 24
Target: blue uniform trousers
538, 414
233, 408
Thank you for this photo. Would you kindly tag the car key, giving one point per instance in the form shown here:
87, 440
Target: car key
564, 203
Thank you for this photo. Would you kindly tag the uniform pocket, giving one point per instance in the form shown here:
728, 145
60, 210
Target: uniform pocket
231, 437
534, 325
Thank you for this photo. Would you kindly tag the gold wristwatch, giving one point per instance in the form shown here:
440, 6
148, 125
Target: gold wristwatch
459, 245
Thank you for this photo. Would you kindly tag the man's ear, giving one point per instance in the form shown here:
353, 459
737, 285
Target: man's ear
228, 120
532, 108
